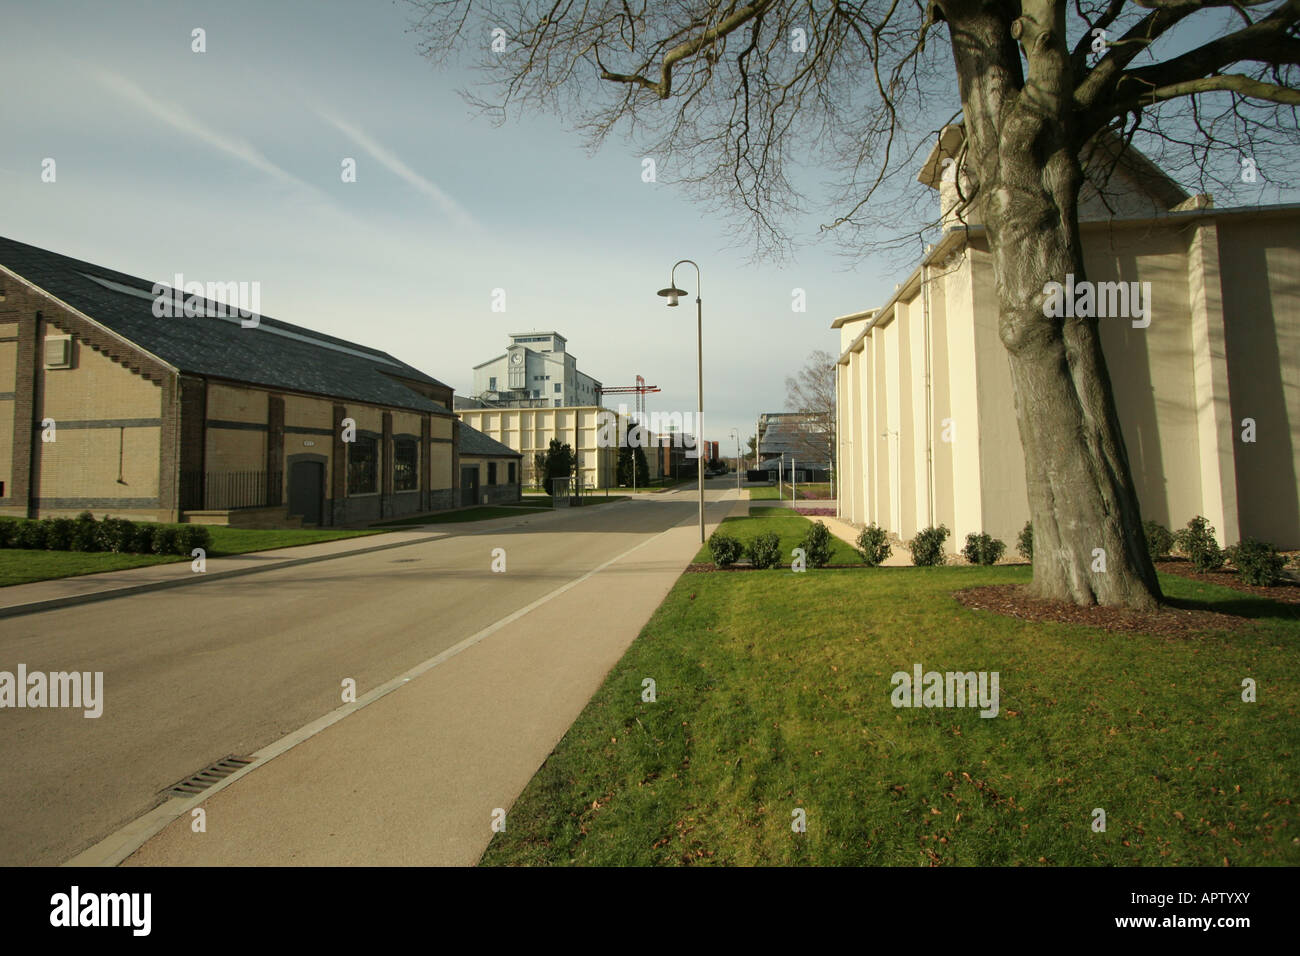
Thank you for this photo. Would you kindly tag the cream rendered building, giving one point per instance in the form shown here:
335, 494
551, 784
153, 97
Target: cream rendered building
926, 423
530, 430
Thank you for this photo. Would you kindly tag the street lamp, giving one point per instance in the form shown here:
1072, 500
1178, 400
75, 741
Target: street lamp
672, 294
736, 435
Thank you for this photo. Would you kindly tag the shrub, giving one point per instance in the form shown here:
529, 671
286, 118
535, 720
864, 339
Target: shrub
1197, 543
983, 549
116, 534
816, 544
873, 545
193, 536
85, 533
1160, 540
7, 531
927, 547
765, 550
30, 534
163, 540
1025, 543
1257, 562
58, 533
725, 549
142, 539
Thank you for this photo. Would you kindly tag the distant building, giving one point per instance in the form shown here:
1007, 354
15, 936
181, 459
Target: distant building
535, 371
530, 430
801, 436
490, 473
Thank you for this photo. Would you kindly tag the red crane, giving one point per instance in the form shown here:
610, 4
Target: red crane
640, 388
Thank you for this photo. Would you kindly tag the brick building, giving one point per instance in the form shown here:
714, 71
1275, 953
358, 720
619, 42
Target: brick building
106, 406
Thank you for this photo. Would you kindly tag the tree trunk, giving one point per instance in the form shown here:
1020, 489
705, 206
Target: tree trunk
1089, 545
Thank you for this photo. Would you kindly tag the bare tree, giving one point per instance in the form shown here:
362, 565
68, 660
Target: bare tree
738, 97
811, 393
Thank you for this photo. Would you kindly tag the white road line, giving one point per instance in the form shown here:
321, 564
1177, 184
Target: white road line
116, 847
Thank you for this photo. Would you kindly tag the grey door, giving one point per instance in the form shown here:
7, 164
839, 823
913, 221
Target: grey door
469, 485
307, 490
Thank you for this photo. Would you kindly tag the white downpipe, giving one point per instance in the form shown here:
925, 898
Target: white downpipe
929, 396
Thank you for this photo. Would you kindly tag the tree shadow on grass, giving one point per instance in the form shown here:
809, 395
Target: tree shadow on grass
1250, 607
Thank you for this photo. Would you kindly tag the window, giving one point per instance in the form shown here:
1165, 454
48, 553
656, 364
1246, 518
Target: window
406, 458
492, 473
363, 466
492, 384
557, 403
557, 387
510, 471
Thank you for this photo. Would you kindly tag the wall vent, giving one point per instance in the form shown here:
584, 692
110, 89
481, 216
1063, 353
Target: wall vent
58, 351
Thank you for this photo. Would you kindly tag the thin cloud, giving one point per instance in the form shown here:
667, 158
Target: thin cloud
394, 164
177, 118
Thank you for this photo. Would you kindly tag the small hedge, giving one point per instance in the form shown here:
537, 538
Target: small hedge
927, 547
983, 549
765, 550
1160, 540
816, 545
1257, 562
1025, 543
1198, 545
873, 545
84, 533
725, 549
30, 535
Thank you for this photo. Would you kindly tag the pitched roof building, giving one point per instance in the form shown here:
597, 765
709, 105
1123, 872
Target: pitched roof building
109, 403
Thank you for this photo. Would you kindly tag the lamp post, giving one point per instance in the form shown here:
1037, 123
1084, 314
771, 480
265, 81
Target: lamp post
736, 435
672, 293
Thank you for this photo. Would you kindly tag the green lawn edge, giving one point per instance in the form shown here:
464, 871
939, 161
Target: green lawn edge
773, 695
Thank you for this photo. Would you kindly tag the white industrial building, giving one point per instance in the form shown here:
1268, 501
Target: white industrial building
535, 371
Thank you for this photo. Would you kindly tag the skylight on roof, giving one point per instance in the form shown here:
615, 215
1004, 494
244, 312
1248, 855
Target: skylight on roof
283, 333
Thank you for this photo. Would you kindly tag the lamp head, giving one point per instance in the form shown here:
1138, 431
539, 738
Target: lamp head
672, 293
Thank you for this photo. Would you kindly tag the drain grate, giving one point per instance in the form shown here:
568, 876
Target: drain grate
208, 776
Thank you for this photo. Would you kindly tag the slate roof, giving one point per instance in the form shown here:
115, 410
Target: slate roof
274, 354
474, 442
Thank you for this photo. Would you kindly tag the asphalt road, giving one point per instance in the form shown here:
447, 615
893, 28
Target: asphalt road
194, 674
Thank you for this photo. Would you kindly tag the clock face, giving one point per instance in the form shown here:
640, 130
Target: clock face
516, 359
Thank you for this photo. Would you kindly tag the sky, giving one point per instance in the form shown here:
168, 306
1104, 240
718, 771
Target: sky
226, 166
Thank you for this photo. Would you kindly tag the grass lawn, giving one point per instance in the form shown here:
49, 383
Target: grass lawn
21, 567
791, 528
769, 492
482, 513
773, 693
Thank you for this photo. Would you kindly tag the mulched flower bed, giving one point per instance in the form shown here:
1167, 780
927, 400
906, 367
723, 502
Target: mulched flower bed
1013, 600
1287, 592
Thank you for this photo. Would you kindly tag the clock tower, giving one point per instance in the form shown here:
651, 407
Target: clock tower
516, 363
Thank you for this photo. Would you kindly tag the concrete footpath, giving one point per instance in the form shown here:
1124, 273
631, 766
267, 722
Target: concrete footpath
412, 773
